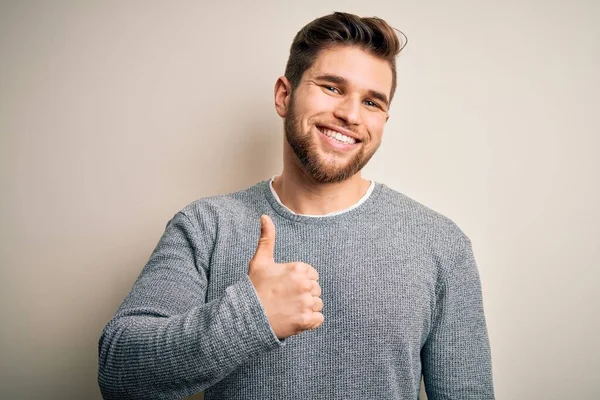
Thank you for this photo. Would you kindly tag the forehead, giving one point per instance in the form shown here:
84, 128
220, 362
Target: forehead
360, 68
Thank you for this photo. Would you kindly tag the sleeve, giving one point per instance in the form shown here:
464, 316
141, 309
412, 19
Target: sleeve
166, 341
456, 356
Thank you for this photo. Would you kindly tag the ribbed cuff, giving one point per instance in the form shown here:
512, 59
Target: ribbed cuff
252, 318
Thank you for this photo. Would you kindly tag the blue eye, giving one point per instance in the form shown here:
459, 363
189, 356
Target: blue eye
331, 89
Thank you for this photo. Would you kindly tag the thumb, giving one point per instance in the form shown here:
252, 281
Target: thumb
266, 242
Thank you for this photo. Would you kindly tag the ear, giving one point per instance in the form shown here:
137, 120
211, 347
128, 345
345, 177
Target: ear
283, 95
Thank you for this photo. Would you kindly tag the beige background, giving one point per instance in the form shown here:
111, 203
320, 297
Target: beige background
116, 114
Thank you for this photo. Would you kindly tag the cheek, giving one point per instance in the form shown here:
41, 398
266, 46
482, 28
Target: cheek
375, 125
319, 108
317, 102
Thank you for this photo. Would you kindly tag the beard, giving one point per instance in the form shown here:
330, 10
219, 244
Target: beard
306, 149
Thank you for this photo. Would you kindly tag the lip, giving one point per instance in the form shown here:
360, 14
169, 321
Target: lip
340, 130
336, 144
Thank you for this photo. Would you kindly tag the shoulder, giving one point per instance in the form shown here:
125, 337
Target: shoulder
432, 233
415, 214
440, 234
209, 210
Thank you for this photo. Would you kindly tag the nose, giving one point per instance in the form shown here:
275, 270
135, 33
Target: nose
348, 110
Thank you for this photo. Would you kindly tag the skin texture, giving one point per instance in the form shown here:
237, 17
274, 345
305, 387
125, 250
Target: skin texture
343, 91
346, 90
290, 293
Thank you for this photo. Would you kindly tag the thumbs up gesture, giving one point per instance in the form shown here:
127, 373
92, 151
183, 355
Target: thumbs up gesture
289, 293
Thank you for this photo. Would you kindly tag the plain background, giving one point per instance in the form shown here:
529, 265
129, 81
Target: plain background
116, 114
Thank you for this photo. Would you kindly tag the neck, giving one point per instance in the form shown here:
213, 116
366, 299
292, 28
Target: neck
299, 192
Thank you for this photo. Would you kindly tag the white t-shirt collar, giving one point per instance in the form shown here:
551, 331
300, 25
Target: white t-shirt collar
357, 204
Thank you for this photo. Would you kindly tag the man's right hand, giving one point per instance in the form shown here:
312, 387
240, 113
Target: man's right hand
289, 293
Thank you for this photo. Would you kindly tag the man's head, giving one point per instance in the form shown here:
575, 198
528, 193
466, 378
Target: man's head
335, 95
373, 35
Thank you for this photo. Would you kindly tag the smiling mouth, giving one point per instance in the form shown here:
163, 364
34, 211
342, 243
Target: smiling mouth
337, 136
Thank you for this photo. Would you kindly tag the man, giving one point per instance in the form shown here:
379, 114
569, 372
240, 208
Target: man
317, 284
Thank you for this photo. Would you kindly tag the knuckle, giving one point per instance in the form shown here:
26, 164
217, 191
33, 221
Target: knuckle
306, 286
320, 319
304, 319
314, 272
299, 267
315, 289
319, 304
307, 300
289, 269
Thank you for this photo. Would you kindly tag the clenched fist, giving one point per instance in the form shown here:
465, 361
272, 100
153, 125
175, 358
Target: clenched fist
289, 293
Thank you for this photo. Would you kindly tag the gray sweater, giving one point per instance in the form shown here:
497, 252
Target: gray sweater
401, 295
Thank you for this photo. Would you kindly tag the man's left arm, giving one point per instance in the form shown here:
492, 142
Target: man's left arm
456, 356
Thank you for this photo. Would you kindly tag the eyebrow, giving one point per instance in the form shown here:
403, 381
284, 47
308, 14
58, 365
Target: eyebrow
338, 80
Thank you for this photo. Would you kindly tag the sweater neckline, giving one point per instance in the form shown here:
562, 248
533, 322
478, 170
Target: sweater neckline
368, 205
364, 198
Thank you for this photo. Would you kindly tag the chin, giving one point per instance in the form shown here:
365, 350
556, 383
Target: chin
325, 173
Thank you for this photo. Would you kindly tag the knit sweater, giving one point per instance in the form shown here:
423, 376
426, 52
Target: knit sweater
401, 294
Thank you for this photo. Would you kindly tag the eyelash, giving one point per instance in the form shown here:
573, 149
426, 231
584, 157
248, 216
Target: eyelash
374, 104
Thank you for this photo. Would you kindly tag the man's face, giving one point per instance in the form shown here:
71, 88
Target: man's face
335, 118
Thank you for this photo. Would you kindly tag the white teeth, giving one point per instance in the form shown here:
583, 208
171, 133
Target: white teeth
338, 136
